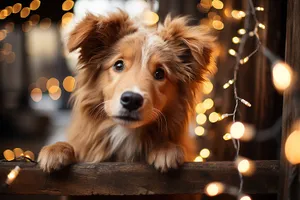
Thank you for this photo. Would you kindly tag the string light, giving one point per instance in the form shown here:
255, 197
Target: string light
208, 103
9, 155
67, 5
217, 4
217, 24
207, 87
262, 26
69, 83
13, 175
214, 188
29, 154
245, 166
236, 40
226, 85
214, 117
245, 102
18, 152
204, 153
259, 9
35, 4
200, 108
244, 60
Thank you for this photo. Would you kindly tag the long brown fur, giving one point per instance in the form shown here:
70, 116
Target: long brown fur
161, 137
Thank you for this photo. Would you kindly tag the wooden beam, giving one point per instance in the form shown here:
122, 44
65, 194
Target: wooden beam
136, 179
290, 175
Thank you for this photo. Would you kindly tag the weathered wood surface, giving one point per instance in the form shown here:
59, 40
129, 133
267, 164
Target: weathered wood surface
137, 179
290, 175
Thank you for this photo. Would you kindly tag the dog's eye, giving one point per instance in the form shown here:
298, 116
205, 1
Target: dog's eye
119, 66
159, 74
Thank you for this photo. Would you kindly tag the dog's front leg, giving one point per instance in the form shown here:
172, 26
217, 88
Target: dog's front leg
56, 156
167, 155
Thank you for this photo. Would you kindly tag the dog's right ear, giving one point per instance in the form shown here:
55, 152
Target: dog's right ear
97, 33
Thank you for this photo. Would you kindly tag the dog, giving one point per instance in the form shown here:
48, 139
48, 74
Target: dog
136, 92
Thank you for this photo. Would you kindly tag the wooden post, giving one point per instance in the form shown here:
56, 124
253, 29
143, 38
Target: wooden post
289, 174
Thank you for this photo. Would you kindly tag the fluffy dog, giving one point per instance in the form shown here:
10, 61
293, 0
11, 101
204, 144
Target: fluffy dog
136, 92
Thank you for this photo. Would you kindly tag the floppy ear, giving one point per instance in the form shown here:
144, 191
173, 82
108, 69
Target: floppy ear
193, 45
97, 33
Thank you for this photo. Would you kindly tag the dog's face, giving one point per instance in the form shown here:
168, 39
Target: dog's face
133, 74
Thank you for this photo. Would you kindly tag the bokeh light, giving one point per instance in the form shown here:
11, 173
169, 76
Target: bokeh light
204, 153
18, 152
237, 130
227, 136
150, 18
2, 35
241, 31
207, 87
246, 197
66, 18
34, 19
45, 23
214, 117
208, 104
42, 83
236, 40
217, 24
67, 5
36, 94
245, 166
199, 130
9, 155
200, 108
292, 150
282, 76
214, 188
56, 95
35, 4
201, 119
16, 8
25, 12
217, 4
52, 82
198, 159
29, 154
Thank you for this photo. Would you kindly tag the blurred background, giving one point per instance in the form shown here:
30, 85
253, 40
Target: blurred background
37, 74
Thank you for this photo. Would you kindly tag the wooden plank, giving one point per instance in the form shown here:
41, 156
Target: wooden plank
289, 175
136, 179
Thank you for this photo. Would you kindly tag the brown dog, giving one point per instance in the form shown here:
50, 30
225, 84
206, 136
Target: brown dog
136, 92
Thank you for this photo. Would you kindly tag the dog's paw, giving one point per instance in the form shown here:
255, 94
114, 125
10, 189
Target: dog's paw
166, 156
56, 156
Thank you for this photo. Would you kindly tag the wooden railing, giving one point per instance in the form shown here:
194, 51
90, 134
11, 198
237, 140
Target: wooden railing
137, 179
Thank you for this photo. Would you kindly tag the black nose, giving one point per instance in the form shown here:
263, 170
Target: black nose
131, 101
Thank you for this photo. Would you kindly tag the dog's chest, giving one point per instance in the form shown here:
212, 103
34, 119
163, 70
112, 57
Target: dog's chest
125, 144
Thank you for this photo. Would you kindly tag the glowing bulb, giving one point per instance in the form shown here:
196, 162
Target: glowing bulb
36, 94
238, 14
214, 188
232, 52
207, 87
241, 31
243, 166
226, 85
204, 153
18, 152
16, 8
227, 136
66, 18
236, 40
200, 108
67, 5
245, 198
198, 159
217, 24
214, 117
244, 60
292, 150
282, 76
237, 130
199, 130
12, 175
69, 83
217, 4
24, 12
241, 14
262, 26
9, 155
29, 154
245, 102
208, 104
224, 116
259, 9
35, 4
201, 119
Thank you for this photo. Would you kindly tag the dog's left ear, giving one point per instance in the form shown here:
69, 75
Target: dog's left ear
97, 33
193, 45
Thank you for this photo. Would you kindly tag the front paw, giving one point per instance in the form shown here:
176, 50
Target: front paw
56, 156
166, 156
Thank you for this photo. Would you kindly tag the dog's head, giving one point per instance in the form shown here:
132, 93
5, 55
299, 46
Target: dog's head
132, 74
